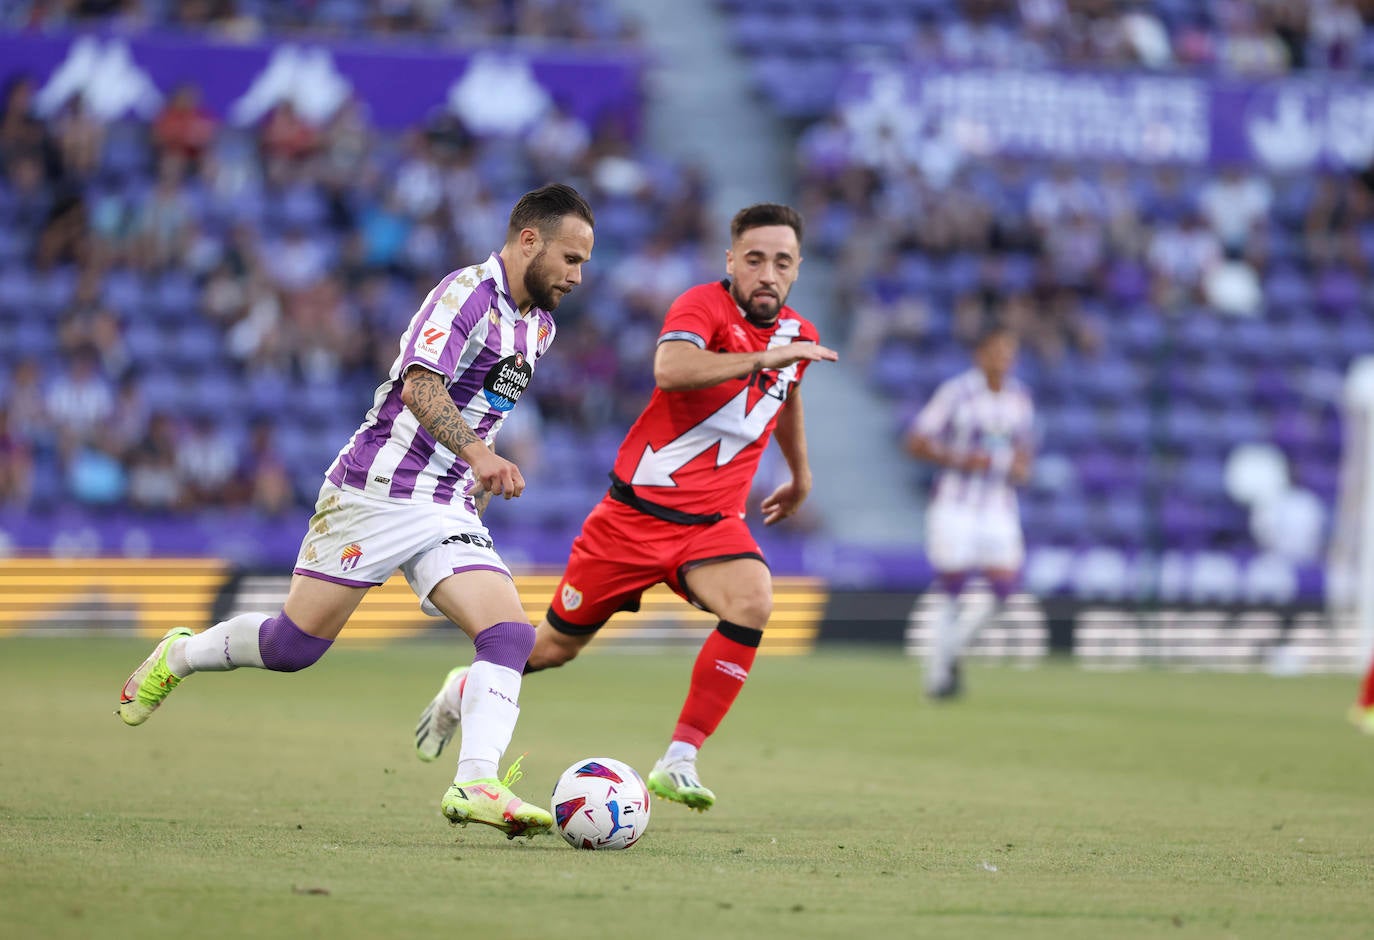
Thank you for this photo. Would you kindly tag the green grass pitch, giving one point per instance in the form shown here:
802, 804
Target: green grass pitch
1049, 803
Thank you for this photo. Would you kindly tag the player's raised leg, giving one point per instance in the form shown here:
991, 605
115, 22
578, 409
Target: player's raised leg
485, 604
314, 613
441, 717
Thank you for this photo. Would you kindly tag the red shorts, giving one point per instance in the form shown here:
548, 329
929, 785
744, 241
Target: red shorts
621, 553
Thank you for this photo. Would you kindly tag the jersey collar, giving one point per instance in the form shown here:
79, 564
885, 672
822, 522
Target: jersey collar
496, 267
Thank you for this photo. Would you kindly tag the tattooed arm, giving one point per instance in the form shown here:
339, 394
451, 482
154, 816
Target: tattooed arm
425, 394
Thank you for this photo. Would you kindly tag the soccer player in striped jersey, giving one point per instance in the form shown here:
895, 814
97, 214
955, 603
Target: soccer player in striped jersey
728, 369
978, 429
405, 493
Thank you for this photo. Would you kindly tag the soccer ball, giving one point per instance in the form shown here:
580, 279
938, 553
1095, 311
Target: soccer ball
600, 803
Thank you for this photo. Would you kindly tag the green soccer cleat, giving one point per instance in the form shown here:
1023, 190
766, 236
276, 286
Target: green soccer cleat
151, 682
1362, 717
437, 724
677, 781
490, 802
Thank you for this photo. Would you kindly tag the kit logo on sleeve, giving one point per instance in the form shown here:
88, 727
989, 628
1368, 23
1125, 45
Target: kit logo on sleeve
431, 342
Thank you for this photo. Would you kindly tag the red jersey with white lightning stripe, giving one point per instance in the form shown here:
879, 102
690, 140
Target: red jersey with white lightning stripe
697, 450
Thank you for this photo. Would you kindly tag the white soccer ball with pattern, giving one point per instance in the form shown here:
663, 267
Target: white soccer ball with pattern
600, 803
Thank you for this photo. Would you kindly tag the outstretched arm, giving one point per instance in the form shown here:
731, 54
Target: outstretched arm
680, 364
425, 394
790, 434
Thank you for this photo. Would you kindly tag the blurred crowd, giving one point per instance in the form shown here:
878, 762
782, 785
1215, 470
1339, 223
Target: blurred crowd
246, 20
194, 314
1241, 37
1172, 316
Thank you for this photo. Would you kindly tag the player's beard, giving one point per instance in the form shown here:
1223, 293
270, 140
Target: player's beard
763, 311
544, 294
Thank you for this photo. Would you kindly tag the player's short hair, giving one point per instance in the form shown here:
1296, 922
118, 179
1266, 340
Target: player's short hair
765, 213
544, 209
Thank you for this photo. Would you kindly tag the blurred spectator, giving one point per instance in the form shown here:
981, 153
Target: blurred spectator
1178, 254
1233, 203
79, 399
96, 328
31, 198
1247, 45
154, 483
262, 481
22, 132
164, 222
16, 463
1064, 195
80, 139
184, 128
323, 331
1335, 33
128, 422
418, 182
27, 403
286, 137
205, 461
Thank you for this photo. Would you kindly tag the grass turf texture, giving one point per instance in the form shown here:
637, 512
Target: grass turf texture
1050, 803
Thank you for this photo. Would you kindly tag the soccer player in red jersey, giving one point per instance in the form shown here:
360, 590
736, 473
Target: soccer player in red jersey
728, 368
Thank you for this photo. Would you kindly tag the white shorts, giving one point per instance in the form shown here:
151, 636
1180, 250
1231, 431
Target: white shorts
361, 541
972, 538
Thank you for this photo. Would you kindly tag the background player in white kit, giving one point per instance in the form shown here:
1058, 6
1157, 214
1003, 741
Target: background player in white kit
978, 428
405, 493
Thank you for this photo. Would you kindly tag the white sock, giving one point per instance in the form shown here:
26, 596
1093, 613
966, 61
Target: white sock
680, 750
976, 619
490, 708
452, 702
944, 644
227, 645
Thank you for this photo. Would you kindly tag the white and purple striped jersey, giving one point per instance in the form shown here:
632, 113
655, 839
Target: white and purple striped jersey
469, 331
967, 417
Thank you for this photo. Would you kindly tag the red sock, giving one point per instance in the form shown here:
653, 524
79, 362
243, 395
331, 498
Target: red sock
1367, 692
721, 668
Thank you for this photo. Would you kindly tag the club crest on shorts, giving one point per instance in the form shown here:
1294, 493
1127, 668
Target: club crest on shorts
571, 597
348, 559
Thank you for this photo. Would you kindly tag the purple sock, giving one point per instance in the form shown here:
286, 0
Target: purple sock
952, 582
507, 643
1003, 587
285, 647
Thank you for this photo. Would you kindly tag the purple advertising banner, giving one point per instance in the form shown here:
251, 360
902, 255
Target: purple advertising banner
1288, 125
496, 89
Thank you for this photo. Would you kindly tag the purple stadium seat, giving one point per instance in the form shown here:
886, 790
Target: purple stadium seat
19, 288
1128, 427
1122, 520
1286, 289
1339, 292
1073, 426
1188, 426
1128, 282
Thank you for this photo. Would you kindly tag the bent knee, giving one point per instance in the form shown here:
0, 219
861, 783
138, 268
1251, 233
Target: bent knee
751, 612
